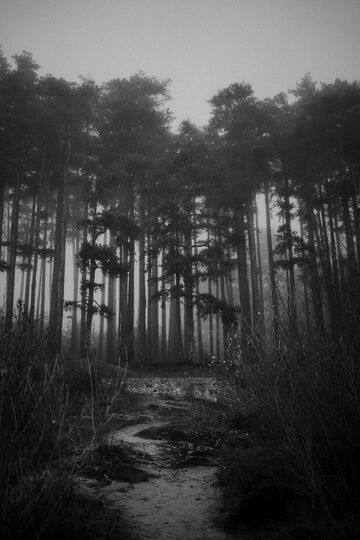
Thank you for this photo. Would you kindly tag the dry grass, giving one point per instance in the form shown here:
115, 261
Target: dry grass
50, 416
305, 402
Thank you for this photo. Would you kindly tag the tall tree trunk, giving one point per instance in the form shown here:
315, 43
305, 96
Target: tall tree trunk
210, 316
217, 323
259, 261
328, 274
91, 284
153, 311
172, 344
2, 205
350, 250
83, 281
245, 313
10, 288
111, 321
305, 278
274, 297
356, 214
163, 310
123, 308
57, 291
38, 300
197, 291
315, 280
30, 254
43, 273
256, 308
61, 284
102, 319
188, 308
130, 304
36, 250
141, 329
179, 341
289, 243
74, 311
335, 269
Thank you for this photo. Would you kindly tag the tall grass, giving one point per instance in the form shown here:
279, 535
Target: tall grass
49, 419
307, 398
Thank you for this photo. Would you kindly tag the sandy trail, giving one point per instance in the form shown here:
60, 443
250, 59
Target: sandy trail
175, 504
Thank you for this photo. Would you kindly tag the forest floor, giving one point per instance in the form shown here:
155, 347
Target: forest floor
157, 467
171, 466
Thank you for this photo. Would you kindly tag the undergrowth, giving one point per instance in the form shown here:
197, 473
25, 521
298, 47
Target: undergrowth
50, 415
302, 480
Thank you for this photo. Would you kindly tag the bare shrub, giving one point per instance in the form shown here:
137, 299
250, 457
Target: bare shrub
307, 399
47, 431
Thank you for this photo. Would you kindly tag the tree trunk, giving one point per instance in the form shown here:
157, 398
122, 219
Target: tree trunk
315, 281
10, 288
83, 281
274, 297
163, 311
172, 345
90, 284
130, 304
30, 254
245, 314
305, 279
123, 308
259, 262
335, 269
188, 309
198, 315
2, 204
179, 342
328, 274
356, 214
153, 310
43, 274
289, 243
256, 308
74, 311
217, 323
210, 316
141, 329
36, 251
57, 290
111, 321
102, 320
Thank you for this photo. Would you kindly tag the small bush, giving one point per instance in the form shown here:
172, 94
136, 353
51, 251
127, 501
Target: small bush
47, 431
306, 400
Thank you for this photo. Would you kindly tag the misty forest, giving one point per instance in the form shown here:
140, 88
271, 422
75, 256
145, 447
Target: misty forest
228, 254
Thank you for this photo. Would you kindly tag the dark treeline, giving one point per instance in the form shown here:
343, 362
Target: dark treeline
147, 243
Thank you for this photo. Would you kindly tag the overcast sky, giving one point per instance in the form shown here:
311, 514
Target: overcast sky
201, 45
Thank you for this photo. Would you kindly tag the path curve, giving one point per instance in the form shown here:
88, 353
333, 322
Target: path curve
174, 504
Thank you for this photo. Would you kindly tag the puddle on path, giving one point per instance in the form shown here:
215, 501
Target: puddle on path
175, 503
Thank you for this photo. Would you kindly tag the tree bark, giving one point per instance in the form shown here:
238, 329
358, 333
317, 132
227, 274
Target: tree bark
111, 321
245, 313
274, 297
163, 311
315, 280
141, 329
29, 257
2, 204
83, 281
289, 244
10, 288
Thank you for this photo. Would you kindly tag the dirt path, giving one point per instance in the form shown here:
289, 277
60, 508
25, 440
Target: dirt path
181, 499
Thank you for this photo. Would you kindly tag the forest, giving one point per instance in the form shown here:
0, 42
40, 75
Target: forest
230, 250
123, 238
